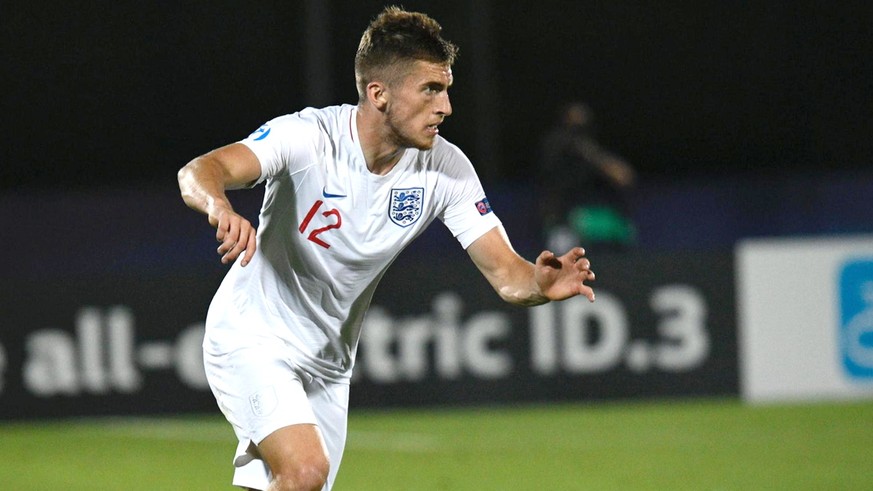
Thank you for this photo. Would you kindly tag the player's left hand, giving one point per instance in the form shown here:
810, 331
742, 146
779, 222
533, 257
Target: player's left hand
561, 277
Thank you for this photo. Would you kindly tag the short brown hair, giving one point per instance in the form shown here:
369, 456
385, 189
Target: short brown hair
395, 39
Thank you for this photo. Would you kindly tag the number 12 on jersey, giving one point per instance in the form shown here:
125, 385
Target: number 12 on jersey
313, 235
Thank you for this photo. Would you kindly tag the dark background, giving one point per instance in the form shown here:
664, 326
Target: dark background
108, 94
744, 120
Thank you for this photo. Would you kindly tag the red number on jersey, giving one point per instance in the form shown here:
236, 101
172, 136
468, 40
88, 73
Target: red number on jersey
313, 236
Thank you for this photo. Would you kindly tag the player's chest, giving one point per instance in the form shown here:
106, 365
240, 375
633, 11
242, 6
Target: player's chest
363, 214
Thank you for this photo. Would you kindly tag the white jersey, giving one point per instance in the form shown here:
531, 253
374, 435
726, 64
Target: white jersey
329, 229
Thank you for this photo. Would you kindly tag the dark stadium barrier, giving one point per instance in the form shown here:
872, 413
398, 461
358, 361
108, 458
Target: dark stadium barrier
105, 293
104, 346
662, 325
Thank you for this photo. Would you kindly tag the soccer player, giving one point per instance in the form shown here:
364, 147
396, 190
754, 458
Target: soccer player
347, 188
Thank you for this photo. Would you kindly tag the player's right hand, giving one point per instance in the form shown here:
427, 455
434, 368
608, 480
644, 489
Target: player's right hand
236, 234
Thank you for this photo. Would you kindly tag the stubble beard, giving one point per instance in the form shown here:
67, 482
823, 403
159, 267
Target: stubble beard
400, 138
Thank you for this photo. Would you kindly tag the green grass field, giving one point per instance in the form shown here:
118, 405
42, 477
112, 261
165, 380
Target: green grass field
664, 445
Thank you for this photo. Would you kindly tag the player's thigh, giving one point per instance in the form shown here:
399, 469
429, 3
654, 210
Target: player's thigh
295, 449
258, 391
330, 403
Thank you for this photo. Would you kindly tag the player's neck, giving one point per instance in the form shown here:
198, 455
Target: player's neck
380, 153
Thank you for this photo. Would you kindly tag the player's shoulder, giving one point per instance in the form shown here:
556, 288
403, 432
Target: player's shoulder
444, 156
330, 119
325, 119
317, 126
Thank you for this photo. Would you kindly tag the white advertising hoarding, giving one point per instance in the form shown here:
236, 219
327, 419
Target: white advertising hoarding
805, 310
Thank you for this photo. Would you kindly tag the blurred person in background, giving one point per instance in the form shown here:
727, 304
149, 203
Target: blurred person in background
583, 189
347, 188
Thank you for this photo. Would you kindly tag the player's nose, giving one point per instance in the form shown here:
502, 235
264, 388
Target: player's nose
444, 105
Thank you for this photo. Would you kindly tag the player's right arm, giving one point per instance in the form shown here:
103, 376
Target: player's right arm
203, 183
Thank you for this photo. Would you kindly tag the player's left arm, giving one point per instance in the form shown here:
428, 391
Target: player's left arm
521, 282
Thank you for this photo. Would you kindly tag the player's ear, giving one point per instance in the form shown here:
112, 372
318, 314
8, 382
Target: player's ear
377, 93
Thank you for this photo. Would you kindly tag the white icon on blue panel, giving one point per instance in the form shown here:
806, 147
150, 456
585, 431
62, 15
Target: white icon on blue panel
856, 318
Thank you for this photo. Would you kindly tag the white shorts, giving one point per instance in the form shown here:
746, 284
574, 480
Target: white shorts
260, 391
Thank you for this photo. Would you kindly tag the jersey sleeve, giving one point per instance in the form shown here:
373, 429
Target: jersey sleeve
283, 145
467, 214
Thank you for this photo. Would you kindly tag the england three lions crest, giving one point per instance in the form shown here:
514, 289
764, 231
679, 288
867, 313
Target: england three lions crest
405, 206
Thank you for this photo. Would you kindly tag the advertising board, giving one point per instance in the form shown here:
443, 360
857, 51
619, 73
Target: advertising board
806, 318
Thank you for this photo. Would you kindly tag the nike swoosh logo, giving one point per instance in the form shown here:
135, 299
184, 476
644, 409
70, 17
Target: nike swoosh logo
330, 195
